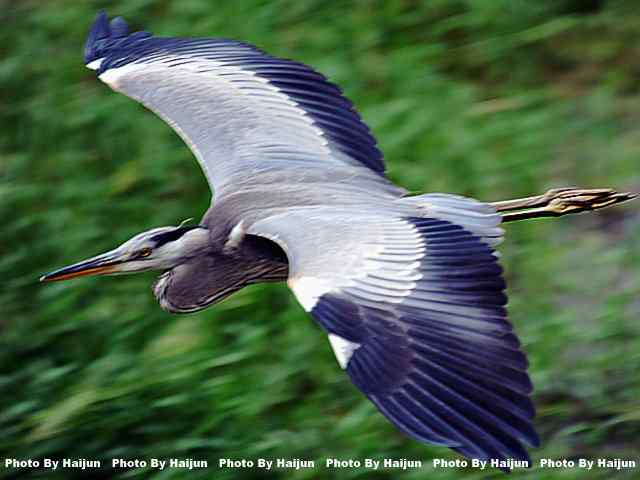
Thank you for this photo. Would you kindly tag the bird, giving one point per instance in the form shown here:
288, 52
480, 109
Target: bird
407, 288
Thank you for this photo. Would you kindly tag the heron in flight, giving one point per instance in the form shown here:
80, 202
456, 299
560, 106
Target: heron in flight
407, 288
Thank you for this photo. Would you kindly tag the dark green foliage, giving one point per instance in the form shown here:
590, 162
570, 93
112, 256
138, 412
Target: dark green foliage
492, 99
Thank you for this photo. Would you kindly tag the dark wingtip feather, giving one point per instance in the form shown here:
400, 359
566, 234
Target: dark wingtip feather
100, 28
99, 31
118, 27
108, 37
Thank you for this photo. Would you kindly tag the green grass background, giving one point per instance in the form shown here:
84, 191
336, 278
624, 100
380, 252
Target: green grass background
493, 99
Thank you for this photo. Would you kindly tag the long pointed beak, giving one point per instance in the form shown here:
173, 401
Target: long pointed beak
99, 265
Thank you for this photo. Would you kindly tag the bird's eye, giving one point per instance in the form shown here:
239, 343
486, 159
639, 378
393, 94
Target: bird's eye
145, 252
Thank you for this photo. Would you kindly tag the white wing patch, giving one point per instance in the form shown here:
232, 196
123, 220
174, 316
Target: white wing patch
113, 76
95, 65
308, 290
343, 349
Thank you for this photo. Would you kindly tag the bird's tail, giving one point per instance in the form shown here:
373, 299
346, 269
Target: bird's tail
477, 217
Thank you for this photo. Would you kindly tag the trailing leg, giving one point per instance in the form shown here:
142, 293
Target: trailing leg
560, 201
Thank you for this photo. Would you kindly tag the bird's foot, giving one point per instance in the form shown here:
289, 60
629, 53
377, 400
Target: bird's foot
561, 201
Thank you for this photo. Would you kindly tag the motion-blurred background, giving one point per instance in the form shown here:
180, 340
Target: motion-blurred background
493, 99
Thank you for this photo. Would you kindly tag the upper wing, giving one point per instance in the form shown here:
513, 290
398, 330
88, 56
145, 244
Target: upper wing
240, 110
415, 312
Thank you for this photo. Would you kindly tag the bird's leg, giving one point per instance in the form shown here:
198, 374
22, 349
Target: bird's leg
560, 201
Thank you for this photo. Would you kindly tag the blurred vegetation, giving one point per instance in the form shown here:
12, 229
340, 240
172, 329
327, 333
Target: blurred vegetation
493, 99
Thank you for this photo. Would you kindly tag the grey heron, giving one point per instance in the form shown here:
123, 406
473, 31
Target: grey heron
407, 288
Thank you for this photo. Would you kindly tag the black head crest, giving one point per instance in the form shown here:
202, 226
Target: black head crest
172, 235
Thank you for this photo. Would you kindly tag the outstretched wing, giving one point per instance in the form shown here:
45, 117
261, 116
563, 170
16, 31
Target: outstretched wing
241, 111
415, 312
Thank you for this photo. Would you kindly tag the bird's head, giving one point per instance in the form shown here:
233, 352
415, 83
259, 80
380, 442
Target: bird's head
158, 249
